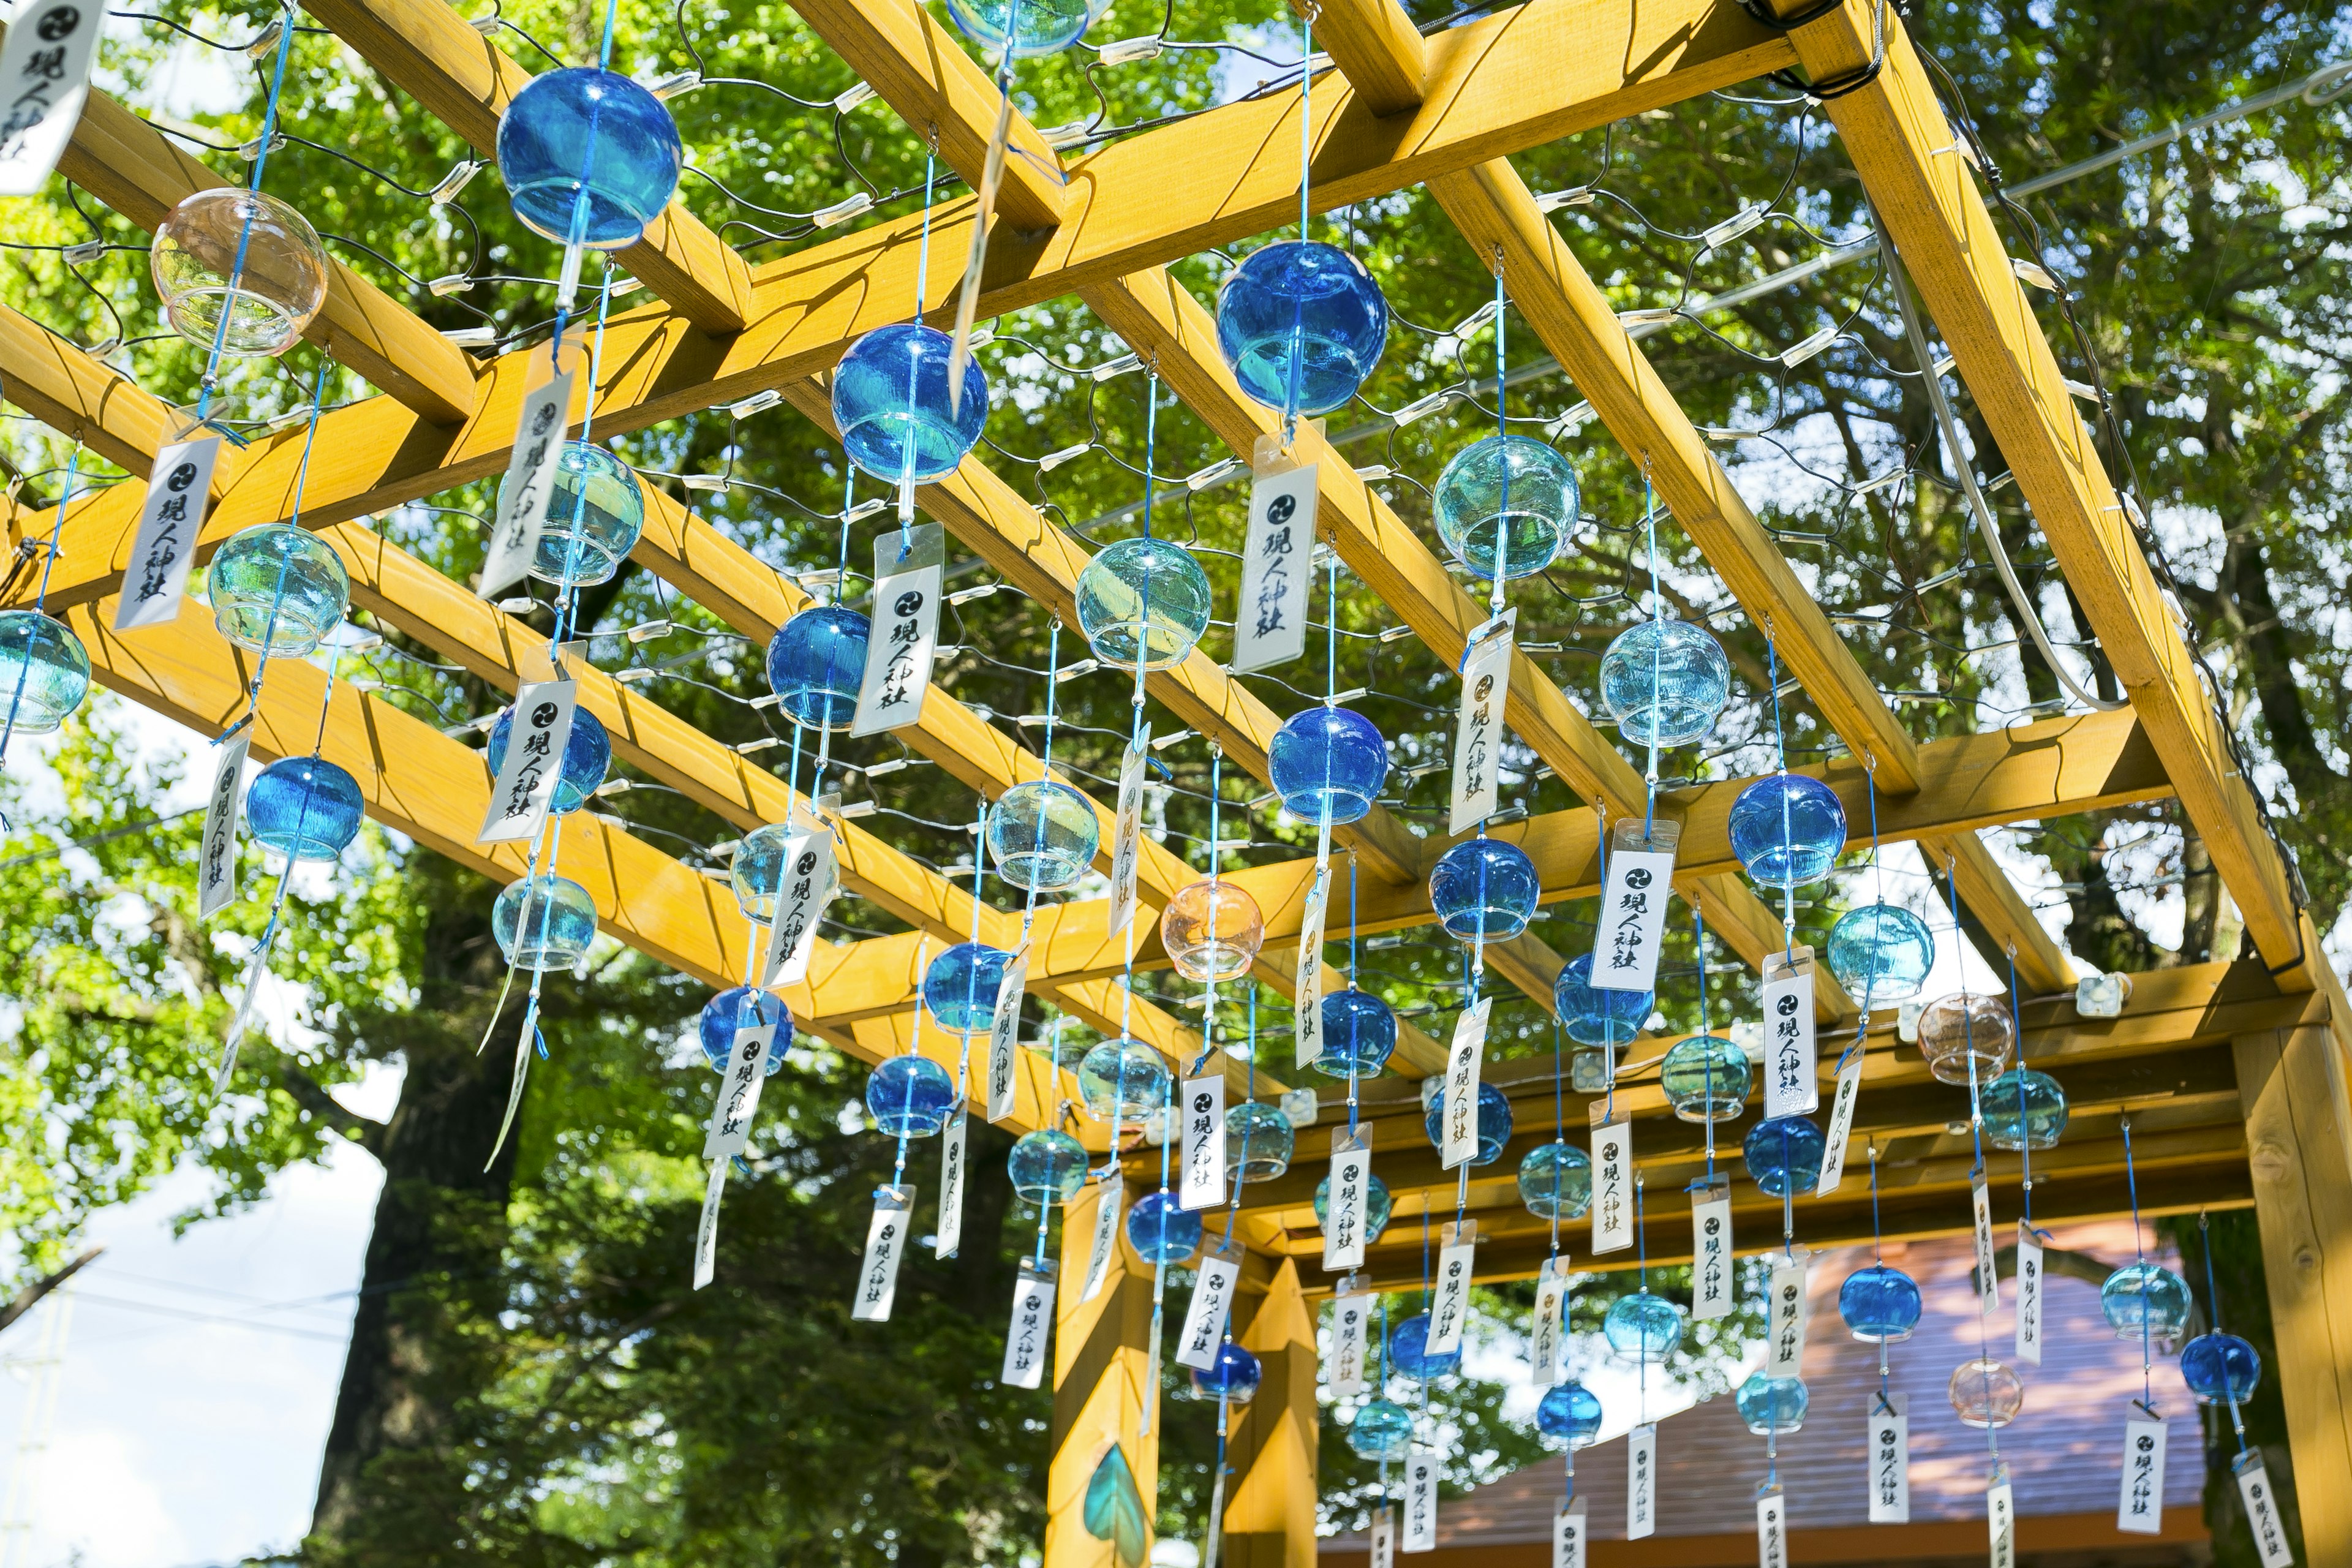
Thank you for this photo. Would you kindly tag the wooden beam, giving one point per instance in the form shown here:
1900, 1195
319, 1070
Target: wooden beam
1377, 47
1103, 1392
437, 791
427, 50
1270, 1503
1497, 213
2299, 1138
134, 168
920, 68
1513, 80
1988, 893
1043, 560
1904, 150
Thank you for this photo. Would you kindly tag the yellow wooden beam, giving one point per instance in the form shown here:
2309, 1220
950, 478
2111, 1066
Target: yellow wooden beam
1270, 1502
1496, 214
1103, 1368
1513, 80
1376, 47
920, 69
1904, 150
134, 168
427, 50
1155, 314
1988, 893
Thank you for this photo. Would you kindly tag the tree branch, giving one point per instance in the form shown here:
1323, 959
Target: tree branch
25, 1300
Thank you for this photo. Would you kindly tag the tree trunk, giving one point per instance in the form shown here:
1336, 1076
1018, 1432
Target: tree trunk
395, 1456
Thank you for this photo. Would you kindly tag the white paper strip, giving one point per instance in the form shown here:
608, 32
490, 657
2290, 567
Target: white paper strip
1987, 1277
951, 1172
171, 516
2029, 1295
705, 1229
1479, 723
1545, 1328
1786, 1353
1842, 1104
1421, 1501
2139, 1509
1631, 930
739, 1093
1613, 1186
1270, 616
1103, 1245
1714, 1282
1450, 1303
525, 785
1351, 1319
530, 483
1383, 1554
1464, 1058
1003, 1036
1790, 1085
1126, 834
44, 80
216, 872
1306, 1004
2261, 1509
1771, 1529
811, 879
2000, 1524
1203, 1165
1568, 1536
1204, 1315
1890, 1460
1641, 1482
904, 630
886, 1242
1343, 1227
1033, 1323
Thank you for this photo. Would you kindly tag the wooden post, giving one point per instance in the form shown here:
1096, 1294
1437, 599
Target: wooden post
2292, 1082
1101, 1374
1270, 1503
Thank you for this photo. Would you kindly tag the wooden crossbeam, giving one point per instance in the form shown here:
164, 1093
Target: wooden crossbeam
437, 791
466, 79
1904, 148
1158, 317
134, 168
1376, 47
1507, 82
1498, 215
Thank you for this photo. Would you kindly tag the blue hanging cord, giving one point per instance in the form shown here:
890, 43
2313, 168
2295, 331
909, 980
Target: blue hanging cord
1657, 654
1787, 828
2213, 1303
244, 233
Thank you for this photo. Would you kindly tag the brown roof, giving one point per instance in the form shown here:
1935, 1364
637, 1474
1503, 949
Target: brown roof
2063, 1451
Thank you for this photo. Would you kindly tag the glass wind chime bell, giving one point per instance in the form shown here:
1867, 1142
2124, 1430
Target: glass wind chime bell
1327, 758
1359, 1033
960, 986
1505, 506
590, 158
1381, 1431
1570, 1412
1378, 1205
1595, 1017
1410, 1354
1770, 1406
595, 514
44, 671
1787, 830
1046, 1167
1213, 930
1967, 1038
1882, 952
1880, 1304
1985, 1391
278, 589
2145, 1298
1258, 1142
1123, 1079
816, 662
1032, 27
910, 1096
1042, 834
587, 754
1556, 1181
2023, 1109
1301, 324
891, 404
305, 809
1784, 1155
1704, 1079
236, 254
544, 922
1142, 599
1162, 1230
744, 1007
1494, 1123
1483, 889
1643, 1327
1665, 682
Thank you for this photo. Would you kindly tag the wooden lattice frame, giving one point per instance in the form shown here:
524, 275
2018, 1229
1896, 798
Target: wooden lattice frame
2215, 1060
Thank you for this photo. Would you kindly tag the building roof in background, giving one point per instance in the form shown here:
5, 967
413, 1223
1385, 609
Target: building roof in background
2064, 1451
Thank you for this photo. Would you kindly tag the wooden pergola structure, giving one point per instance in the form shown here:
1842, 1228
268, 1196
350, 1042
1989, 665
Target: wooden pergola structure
2235, 1074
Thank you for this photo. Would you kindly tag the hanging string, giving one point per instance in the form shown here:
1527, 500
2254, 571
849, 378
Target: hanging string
1657, 655
2140, 1276
210, 381
2213, 1305
1878, 1259
1787, 828
2024, 1128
